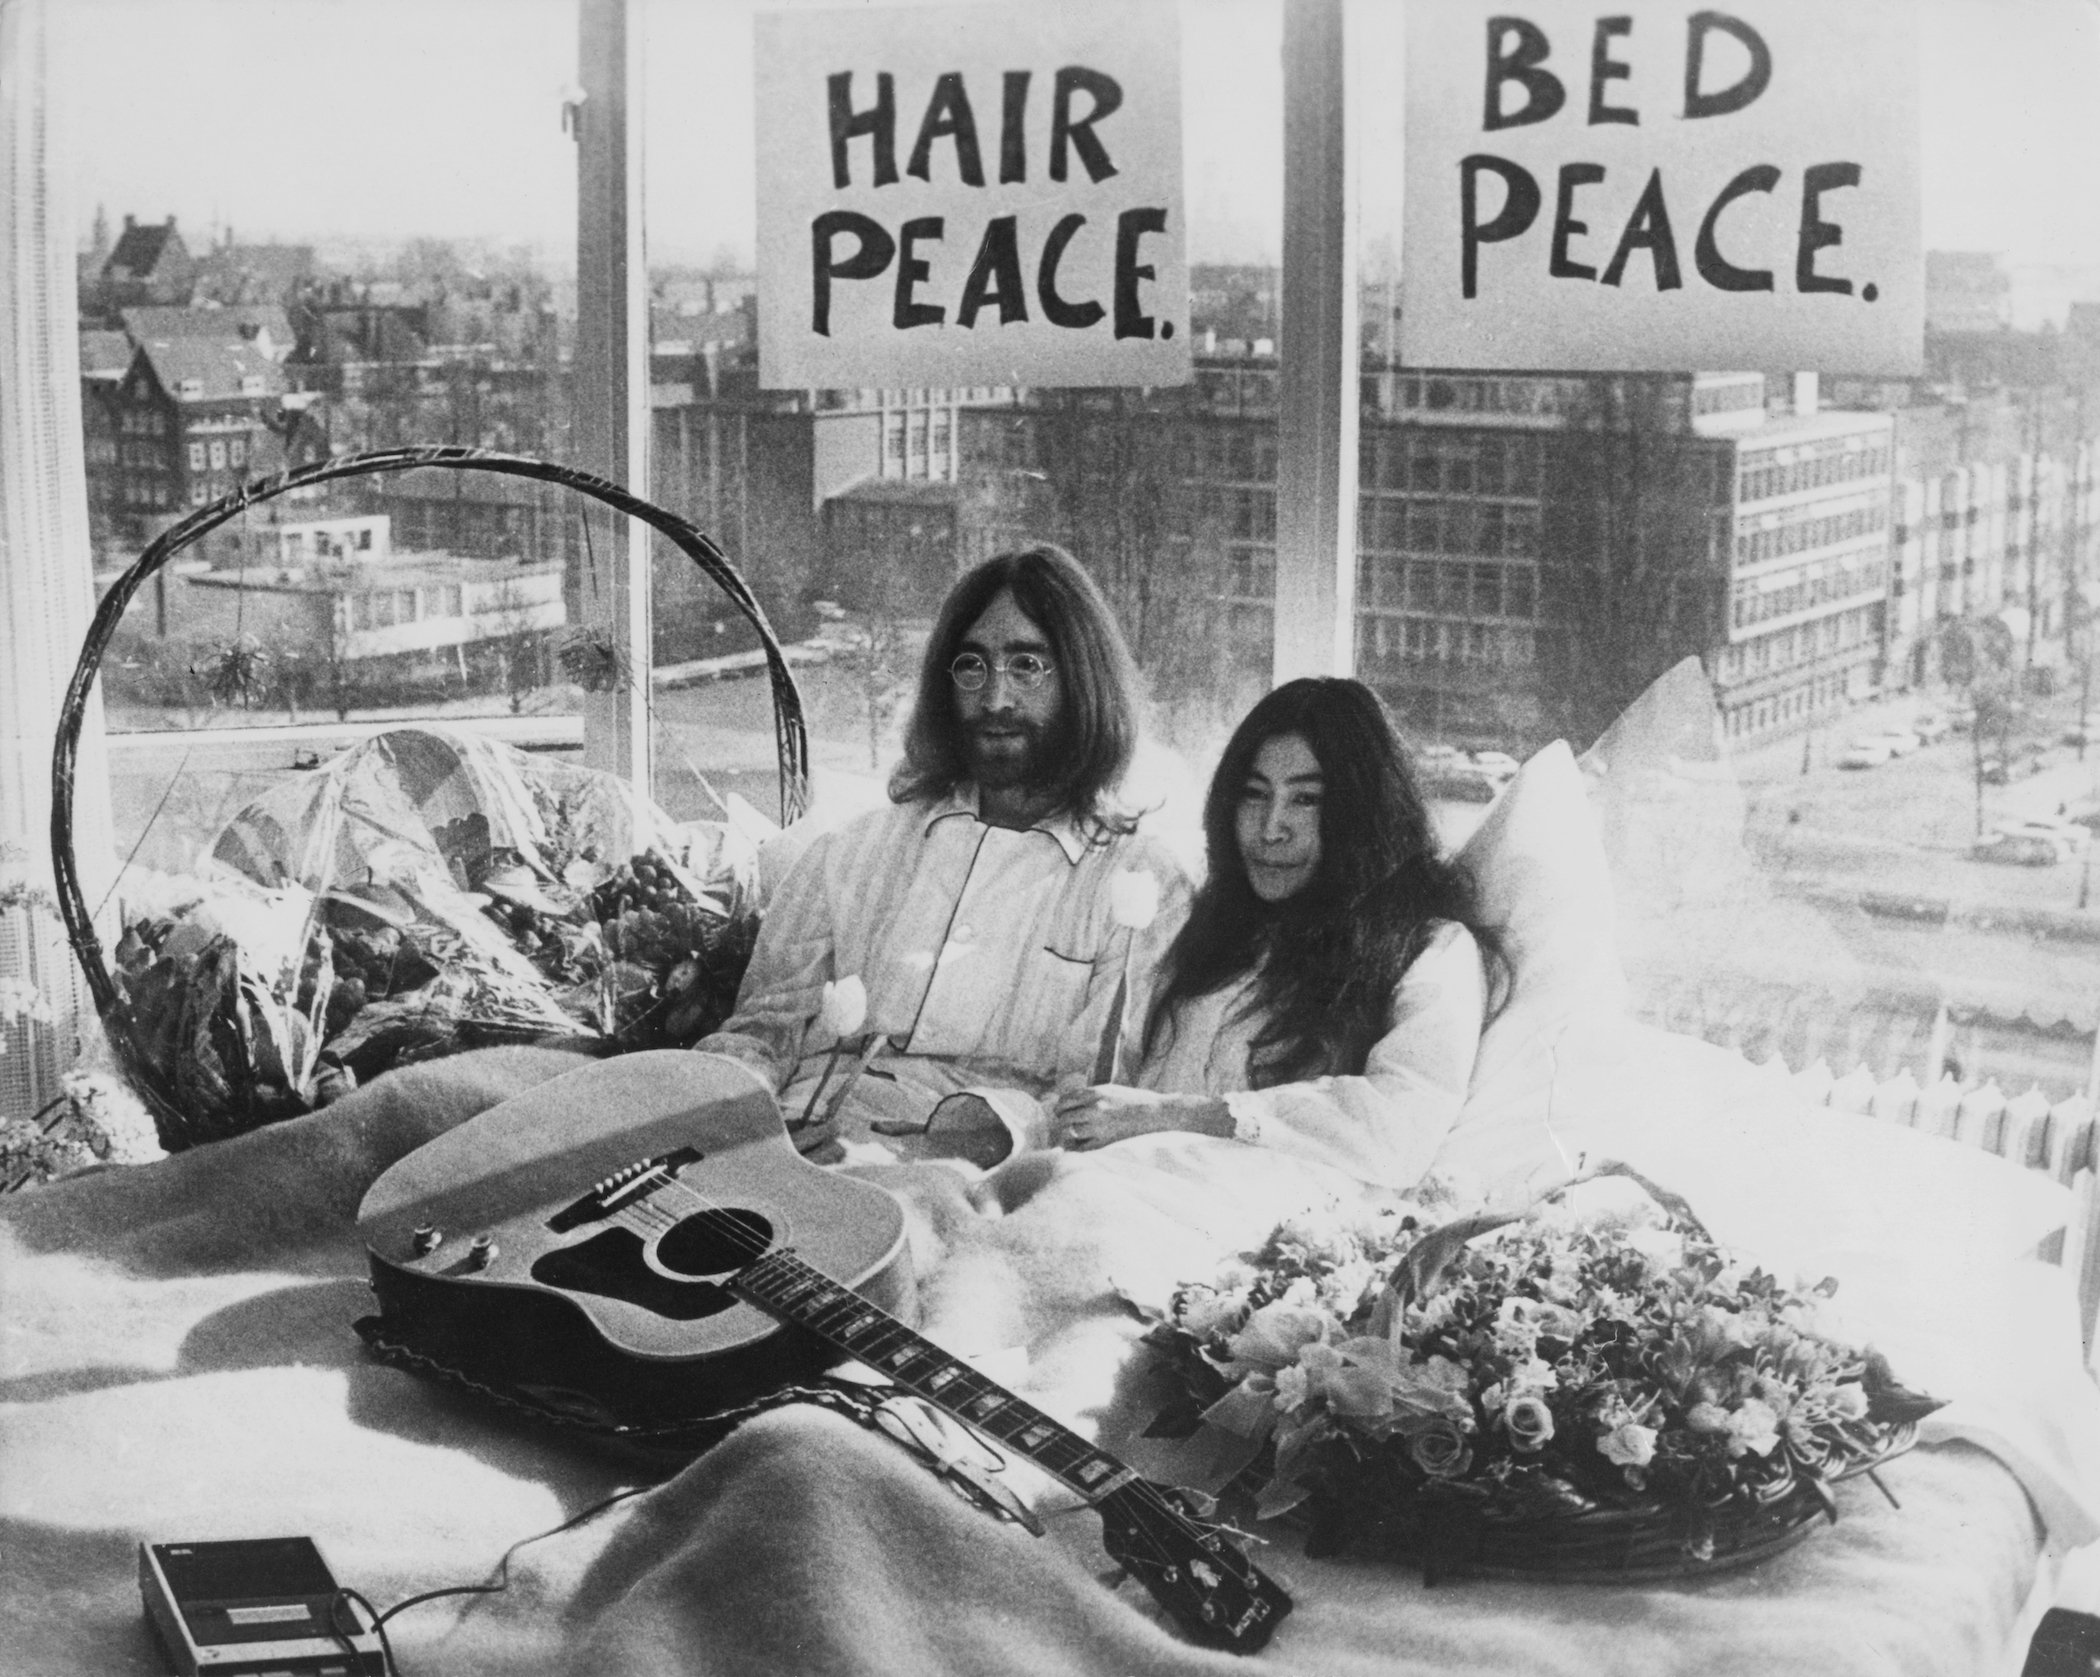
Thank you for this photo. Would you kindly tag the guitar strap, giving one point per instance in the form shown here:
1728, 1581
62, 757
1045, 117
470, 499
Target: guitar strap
968, 1466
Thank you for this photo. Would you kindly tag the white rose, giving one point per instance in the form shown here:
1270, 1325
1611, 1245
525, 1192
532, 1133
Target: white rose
1133, 898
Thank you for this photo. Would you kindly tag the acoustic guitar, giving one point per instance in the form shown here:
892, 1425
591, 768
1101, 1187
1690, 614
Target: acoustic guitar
638, 1240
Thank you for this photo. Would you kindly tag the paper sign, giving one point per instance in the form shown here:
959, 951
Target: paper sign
1663, 186
986, 194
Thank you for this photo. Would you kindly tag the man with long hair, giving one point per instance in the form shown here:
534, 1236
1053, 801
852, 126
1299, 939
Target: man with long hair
975, 914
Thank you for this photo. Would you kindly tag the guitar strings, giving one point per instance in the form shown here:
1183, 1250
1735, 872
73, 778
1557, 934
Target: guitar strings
741, 1239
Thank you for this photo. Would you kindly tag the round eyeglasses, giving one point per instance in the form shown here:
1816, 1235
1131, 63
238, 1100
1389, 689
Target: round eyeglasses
970, 672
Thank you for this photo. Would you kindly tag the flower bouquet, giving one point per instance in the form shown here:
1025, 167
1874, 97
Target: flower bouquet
427, 891
1589, 1389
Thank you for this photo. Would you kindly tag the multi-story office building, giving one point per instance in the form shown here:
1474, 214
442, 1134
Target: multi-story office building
1966, 291
811, 493
1533, 549
1997, 516
1809, 501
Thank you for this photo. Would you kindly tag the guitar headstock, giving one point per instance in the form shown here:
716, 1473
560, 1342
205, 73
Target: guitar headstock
1195, 1569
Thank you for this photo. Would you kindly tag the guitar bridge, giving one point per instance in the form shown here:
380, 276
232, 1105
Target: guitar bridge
627, 1183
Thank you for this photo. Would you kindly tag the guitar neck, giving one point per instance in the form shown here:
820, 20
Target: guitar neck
783, 1285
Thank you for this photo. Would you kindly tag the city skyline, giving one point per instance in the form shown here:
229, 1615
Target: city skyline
314, 120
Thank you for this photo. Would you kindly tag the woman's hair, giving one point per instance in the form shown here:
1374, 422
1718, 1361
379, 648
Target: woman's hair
1098, 730
1330, 955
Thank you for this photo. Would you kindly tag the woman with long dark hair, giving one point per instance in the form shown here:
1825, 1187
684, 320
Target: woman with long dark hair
1326, 994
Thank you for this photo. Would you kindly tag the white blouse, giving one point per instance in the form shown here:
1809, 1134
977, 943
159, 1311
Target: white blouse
1383, 1126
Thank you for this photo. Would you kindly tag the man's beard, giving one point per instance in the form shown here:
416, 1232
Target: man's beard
1019, 756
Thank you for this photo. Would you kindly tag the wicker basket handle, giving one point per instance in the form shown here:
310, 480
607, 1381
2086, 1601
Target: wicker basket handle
791, 736
1422, 1267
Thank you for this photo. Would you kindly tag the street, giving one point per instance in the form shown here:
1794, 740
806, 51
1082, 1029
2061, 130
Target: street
1906, 827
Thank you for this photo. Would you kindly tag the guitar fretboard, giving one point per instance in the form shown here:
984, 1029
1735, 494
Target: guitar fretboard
784, 1286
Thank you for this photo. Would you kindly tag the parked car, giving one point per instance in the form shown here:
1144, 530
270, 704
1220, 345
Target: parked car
2000, 769
1499, 763
1869, 751
1930, 727
1902, 741
2083, 732
1464, 783
2020, 850
2072, 836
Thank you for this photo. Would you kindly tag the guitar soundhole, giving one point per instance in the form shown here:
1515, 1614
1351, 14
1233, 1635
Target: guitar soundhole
715, 1243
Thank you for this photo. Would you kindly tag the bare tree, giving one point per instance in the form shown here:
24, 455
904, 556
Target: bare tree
883, 657
1977, 656
516, 644
1122, 494
1626, 593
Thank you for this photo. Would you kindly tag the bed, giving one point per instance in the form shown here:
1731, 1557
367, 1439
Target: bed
179, 1363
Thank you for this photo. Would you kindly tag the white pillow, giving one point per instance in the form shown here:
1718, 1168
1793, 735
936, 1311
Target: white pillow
1539, 862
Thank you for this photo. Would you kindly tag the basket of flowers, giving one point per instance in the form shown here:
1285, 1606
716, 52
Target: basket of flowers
1590, 1389
430, 890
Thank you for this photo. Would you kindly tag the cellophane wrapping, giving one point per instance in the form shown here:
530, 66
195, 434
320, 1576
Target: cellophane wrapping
427, 891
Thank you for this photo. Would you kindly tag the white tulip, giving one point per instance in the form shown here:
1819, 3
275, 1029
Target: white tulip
845, 1006
1133, 898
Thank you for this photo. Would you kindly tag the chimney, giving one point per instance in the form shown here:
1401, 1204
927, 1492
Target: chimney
129, 223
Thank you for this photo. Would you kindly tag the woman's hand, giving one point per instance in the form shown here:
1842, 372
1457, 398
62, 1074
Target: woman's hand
1106, 1112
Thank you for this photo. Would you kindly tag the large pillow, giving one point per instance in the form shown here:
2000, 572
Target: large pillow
1544, 883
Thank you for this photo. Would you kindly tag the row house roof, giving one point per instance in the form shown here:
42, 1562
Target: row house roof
142, 247
262, 326
212, 370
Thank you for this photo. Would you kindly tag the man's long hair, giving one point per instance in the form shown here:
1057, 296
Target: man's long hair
1328, 957
1091, 748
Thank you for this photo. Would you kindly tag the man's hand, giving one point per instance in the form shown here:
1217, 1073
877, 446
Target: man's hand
1106, 1112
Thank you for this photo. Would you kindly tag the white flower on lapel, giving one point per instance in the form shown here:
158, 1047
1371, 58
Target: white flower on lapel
1133, 898
845, 1006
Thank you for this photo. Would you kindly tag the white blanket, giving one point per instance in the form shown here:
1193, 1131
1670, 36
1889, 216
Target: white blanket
178, 1363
